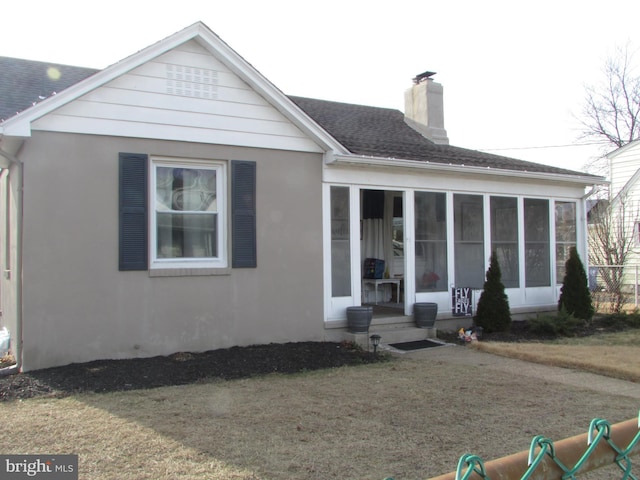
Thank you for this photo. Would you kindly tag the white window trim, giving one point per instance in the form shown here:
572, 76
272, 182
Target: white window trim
222, 228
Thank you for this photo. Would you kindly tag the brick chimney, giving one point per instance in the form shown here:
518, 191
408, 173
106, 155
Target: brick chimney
424, 110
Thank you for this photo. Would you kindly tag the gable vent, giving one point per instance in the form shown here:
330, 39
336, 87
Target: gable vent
192, 82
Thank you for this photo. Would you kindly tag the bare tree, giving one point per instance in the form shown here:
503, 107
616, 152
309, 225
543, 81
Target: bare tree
611, 242
611, 116
611, 111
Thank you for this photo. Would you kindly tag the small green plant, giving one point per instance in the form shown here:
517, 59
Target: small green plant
575, 296
564, 324
493, 313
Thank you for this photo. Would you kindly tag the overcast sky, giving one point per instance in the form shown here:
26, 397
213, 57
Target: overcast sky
513, 72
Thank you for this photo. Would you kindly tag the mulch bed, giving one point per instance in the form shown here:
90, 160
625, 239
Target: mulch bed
181, 368
224, 364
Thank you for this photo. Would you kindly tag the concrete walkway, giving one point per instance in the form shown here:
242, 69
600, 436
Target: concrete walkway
461, 355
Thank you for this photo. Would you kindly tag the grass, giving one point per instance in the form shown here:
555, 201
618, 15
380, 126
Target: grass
613, 354
411, 417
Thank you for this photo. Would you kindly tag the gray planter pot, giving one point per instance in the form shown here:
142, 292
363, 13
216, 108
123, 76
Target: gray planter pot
359, 319
425, 314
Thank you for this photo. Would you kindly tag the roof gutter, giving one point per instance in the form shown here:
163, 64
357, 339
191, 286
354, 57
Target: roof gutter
8, 160
363, 160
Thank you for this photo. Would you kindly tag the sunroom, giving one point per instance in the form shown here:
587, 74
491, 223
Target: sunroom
435, 244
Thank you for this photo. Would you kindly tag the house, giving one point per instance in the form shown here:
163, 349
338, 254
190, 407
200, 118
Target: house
614, 224
178, 201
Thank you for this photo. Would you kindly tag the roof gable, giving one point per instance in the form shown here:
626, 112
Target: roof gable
270, 118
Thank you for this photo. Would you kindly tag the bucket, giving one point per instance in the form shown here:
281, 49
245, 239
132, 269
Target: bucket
359, 319
5, 341
425, 314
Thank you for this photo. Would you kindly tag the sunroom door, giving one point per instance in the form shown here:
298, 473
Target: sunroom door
341, 285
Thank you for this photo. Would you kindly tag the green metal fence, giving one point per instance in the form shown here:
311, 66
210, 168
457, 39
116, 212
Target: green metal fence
603, 445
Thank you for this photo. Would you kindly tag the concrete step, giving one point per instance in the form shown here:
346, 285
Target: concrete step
391, 330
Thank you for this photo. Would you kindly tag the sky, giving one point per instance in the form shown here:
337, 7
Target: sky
513, 72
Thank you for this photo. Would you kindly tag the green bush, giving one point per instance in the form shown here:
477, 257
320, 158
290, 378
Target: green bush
621, 321
493, 313
544, 325
575, 296
563, 324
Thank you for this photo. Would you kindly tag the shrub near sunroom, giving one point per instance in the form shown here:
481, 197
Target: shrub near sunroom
493, 313
575, 296
562, 324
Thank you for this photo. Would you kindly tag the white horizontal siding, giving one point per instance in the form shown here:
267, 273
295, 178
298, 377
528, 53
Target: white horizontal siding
220, 107
623, 167
157, 115
94, 126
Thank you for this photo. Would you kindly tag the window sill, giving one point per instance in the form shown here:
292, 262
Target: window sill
188, 272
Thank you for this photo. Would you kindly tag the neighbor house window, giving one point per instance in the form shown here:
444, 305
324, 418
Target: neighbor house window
188, 215
431, 241
536, 242
469, 240
504, 238
565, 235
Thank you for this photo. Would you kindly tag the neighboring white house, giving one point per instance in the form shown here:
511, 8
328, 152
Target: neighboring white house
624, 172
624, 201
178, 201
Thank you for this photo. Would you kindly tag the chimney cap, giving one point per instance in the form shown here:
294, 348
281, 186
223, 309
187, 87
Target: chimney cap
421, 76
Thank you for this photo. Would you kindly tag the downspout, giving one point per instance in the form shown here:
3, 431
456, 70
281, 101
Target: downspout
17, 270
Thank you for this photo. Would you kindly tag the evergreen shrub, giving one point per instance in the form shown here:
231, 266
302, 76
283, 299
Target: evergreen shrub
493, 313
575, 296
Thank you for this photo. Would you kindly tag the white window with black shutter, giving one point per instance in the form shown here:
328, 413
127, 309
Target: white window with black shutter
183, 203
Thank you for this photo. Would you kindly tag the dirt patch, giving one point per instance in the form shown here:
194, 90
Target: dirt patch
181, 369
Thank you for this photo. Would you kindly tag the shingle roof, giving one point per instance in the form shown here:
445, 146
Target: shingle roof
382, 132
26, 82
363, 130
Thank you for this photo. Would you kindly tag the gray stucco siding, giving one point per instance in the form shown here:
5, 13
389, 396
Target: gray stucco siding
78, 306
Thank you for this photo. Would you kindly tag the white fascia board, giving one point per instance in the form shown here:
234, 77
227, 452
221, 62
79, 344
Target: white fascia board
20, 125
450, 168
16, 129
628, 186
622, 149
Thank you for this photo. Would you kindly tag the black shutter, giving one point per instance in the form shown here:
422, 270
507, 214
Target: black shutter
243, 214
133, 211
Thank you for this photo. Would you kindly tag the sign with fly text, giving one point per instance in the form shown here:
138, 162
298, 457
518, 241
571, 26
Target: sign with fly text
462, 301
